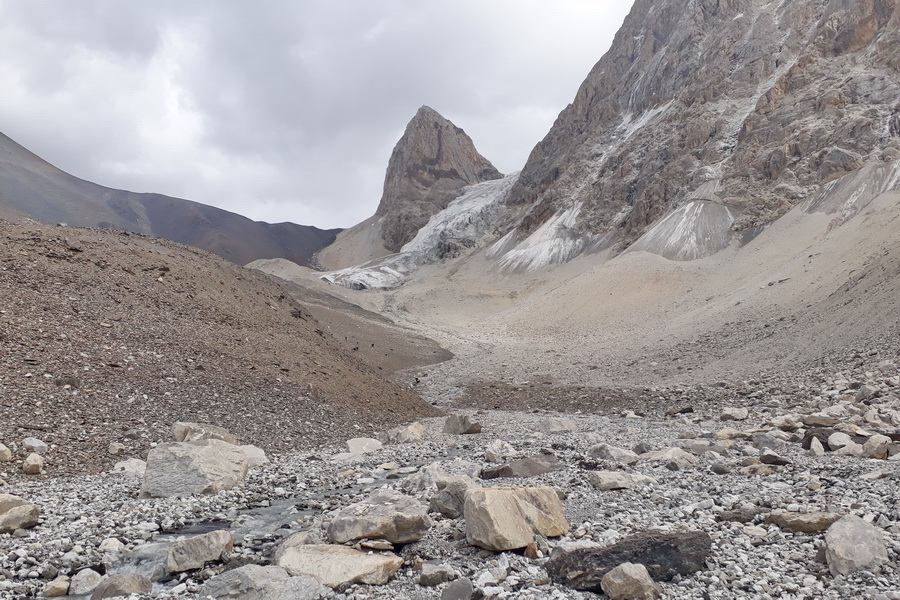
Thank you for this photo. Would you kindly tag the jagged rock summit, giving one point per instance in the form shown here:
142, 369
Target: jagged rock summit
431, 162
751, 104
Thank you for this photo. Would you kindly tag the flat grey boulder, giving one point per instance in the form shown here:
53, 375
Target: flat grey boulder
664, 554
525, 467
618, 480
194, 552
336, 566
852, 544
676, 456
17, 513
250, 582
508, 518
414, 433
184, 431
385, 515
450, 499
612, 453
187, 468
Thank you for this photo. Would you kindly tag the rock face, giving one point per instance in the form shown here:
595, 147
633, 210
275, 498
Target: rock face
664, 554
385, 515
781, 100
508, 518
338, 565
201, 467
429, 164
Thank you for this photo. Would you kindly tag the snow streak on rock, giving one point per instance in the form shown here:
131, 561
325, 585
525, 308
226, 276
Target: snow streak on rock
554, 242
461, 225
697, 229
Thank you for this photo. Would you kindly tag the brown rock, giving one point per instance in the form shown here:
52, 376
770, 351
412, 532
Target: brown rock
508, 518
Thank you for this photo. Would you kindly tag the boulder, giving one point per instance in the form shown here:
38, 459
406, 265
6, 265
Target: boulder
450, 498
194, 552
852, 544
618, 480
807, 522
122, 585
5, 454
838, 440
629, 581
33, 464
461, 425
498, 451
200, 467
386, 515
878, 446
183, 431
256, 457
675, 456
56, 588
303, 587
558, 425
414, 433
461, 589
31, 444
664, 554
336, 566
611, 453
507, 518
359, 446
133, 467
525, 467
16, 513
816, 448
250, 582
435, 574
734, 414
84, 582
770, 457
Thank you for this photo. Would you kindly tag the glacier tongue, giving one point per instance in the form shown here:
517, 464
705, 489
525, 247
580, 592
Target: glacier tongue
460, 225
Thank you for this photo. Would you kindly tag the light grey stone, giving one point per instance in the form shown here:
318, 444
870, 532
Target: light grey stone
184, 431
17, 513
852, 544
201, 467
194, 552
336, 566
386, 514
250, 582
508, 518
629, 581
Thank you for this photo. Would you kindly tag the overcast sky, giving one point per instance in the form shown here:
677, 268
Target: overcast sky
284, 110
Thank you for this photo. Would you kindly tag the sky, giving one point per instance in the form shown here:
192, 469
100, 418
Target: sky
284, 110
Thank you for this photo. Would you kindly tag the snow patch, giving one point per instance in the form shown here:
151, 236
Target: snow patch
699, 228
850, 194
461, 225
553, 242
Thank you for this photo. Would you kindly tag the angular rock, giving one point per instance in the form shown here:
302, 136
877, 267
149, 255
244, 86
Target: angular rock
33, 464
84, 582
507, 518
838, 440
17, 513
558, 425
133, 467
498, 451
819, 420
56, 588
335, 566
194, 552
303, 587
386, 514
461, 589
629, 581
664, 554
122, 585
816, 448
740, 515
435, 574
363, 445
611, 453
618, 480
414, 433
525, 467
187, 468
256, 457
461, 425
250, 582
184, 431
450, 498
116, 449
852, 544
878, 446
806, 522
769, 457
768, 441
5, 454
31, 444
734, 414
677, 456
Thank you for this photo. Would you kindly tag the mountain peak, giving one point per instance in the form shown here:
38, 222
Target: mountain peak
429, 164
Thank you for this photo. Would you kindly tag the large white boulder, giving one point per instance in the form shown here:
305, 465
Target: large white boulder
336, 566
186, 468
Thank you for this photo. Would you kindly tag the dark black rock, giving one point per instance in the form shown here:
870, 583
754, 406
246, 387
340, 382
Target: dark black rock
664, 554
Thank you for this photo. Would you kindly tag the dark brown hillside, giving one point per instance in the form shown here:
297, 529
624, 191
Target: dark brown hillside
111, 337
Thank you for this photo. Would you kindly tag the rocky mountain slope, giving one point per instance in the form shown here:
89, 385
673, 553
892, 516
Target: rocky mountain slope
110, 337
753, 104
39, 190
430, 163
